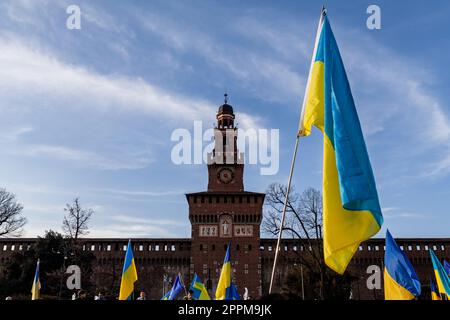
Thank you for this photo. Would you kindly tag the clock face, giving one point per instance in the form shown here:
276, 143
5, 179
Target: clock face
225, 175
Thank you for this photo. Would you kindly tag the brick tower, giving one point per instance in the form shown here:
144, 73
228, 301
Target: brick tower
224, 213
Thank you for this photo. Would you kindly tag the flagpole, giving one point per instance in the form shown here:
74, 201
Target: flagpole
283, 216
297, 142
182, 281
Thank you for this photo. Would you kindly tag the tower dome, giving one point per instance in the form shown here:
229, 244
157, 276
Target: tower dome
225, 115
225, 109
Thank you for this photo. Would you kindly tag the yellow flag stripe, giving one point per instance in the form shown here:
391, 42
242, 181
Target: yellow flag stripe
394, 291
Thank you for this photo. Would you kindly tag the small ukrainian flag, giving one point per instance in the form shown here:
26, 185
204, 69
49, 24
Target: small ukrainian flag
442, 278
224, 289
177, 287
400, 280
434, 292
36, 288
129, 275
199, 290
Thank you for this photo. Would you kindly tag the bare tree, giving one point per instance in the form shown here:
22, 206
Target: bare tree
303, 215
75, 223
11, 219
303, 221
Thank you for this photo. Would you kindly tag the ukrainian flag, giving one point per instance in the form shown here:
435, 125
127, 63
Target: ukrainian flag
442, 278
36, 288
224, 289
200, 292
129, 275
167, 295
434, 293
177, 287
351, 211
400, 279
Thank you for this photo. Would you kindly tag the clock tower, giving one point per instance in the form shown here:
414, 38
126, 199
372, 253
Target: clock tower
226, 213
225, 162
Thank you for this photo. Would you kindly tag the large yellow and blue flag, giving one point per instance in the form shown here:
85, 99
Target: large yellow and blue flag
198, 289
129, 275
442, 278
351, 210
400, 279
36, 288
434, 292
224, 288
177, 287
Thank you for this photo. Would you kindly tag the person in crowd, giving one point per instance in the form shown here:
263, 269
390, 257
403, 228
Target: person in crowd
99, 296
189, 295
82, 295
142, 296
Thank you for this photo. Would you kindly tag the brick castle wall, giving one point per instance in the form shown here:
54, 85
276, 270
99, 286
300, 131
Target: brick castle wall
156, 257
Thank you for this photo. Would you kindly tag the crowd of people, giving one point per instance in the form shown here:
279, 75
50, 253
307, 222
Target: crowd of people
82, 295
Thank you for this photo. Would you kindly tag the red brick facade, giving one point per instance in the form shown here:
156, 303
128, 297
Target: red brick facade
225, 213
156, 257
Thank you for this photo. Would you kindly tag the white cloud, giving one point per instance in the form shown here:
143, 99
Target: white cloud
24, 12
32, 73
289, 45
261, 73
159, 222
139, 193
12, 134
398, 213
35, 73
44, 208
440, 168
84, 158
126, 226
389, 209
130, 231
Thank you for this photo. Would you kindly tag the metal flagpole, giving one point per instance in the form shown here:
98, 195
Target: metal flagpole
297, 141
283, 216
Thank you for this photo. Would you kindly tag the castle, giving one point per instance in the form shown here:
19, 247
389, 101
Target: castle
227, 213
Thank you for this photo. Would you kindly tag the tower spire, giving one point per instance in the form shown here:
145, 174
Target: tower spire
225, 98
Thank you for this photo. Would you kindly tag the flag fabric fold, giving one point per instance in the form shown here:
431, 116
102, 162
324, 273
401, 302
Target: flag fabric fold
442, 278
129, 275
225, 289
177, 287
36, 288
198, 289
400, 279
351, 211
234, 294
434, 292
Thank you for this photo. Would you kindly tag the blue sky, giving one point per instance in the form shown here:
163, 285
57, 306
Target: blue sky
89, 113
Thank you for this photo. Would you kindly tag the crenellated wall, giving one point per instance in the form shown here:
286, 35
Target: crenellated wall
156, 257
